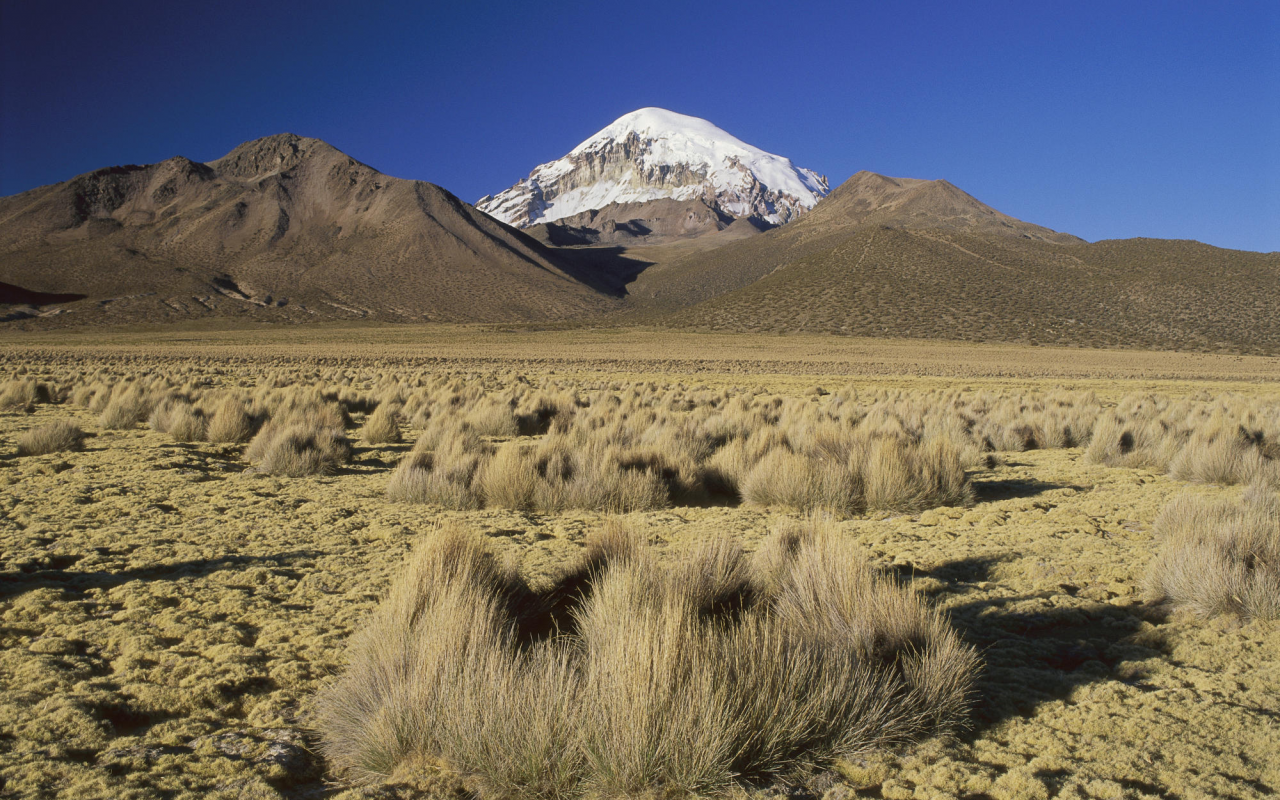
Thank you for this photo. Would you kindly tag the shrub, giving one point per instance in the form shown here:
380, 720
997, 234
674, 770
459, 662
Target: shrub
177, 417
230, 423
23, 395
383, 426
664, 679
295, 451
445, 476
55, 437
1218, 556
122, 413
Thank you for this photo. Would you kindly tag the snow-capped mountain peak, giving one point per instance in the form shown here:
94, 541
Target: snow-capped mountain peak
652, 154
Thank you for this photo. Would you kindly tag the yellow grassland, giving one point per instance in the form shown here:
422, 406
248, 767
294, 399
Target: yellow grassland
168, 615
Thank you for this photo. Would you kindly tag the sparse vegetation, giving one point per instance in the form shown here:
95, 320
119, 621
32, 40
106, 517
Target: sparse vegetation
56, 437
383, 426
670, 678
971, 286
1220, 556
296, 450
168, 620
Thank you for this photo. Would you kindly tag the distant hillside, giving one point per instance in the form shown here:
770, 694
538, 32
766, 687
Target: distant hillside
975, 285
863, 202
283, 228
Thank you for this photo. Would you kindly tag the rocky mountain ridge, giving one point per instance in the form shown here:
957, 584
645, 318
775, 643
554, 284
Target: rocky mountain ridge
653, 154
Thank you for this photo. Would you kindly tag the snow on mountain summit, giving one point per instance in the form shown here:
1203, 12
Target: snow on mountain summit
653, 154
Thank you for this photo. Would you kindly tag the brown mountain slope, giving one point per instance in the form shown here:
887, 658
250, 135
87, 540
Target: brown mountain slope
866, 200
977, 285
282, 228
869, 199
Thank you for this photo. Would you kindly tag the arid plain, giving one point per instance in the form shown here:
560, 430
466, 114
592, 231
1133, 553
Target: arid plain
174, 610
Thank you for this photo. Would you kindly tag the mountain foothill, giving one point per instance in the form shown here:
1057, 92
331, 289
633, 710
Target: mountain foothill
658, 219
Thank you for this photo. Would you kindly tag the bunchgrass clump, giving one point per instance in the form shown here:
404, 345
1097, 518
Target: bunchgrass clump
441, 471
56, 437
23, 395
631, 675
231, 423
297, 450
123, 412
176, 416
383, 425
1220, 556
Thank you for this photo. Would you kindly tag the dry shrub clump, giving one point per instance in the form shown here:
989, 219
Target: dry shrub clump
305, 439
23, 395
176, 416
383, 426
56, 437
844, 472
1226, 440
231, 423
458, 470
1228, 454
643, 449
1219, 556
632, 675
442, 472
128, 404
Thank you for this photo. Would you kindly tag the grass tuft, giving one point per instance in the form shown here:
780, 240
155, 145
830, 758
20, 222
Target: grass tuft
664, 678
230, 423
383, 426
298, 450
56, 437
1218, 556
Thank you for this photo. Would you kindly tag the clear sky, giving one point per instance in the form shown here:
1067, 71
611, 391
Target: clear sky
1105, 119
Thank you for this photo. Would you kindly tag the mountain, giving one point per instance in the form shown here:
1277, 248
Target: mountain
653, 155
892, 257
867, 200
282, 228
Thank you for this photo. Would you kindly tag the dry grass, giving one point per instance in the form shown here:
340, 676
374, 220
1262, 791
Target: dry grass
296, 450
1220, 556
445, 475
56, 437
383, 426
672, 679
230, 423
124, 410
1226, 439
166, 616
176, 416
21, 394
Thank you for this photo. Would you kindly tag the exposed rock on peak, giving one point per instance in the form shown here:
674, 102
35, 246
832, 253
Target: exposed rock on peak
654, 154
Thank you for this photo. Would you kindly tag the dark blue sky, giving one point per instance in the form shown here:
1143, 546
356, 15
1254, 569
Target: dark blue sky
1109, 119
